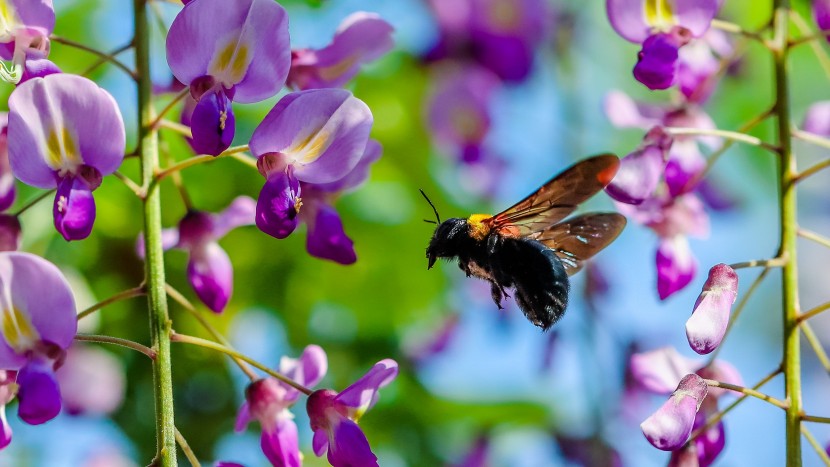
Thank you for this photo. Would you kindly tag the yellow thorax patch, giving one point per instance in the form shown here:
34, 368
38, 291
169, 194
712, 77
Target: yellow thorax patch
478, 228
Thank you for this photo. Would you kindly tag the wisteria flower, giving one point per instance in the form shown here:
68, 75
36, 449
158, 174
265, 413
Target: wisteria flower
699, 62
669, 427
641, 171
361, 38
38, 325
710, 318
817, 119
25, 27
662, 27
316, 137
209, 269
821, 13
65, 132
268, 400
227, 51
660, 370
334, 417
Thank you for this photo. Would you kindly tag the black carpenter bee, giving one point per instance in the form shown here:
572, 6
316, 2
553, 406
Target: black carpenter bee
526, 247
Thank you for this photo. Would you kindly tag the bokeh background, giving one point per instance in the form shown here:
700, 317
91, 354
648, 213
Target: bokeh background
469, 372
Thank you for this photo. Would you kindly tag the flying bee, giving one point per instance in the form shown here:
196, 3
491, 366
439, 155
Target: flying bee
526, 247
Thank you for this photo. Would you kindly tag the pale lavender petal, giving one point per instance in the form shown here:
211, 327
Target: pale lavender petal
38, 14
74, 209
210, 272
723, 371
307, 370
817, 118
684, 166
92, 381
278, 206
9, 233
359, 173
638, 176
707, 325
243, 418
695, 15
39, 395
326, 238
322, 133
821, 13
685, 215
660, 370
280, 446
694, 117
627, 17
696, 67
363, 393
624, 112
241, 212
676, 265
350, 447
212, 124
669, 427
38, 68
242, 44
81, 119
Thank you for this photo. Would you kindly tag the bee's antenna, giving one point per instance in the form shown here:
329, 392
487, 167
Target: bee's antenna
437, 217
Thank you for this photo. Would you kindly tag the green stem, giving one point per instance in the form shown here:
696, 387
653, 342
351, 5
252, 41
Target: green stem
811, 138
117, 341
94, 51
160, 324
726, 134
748, 392
191, 456
763, 263
818, 238
123, 295
34, 201
789, 229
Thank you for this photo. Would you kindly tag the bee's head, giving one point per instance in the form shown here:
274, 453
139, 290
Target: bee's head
446, 239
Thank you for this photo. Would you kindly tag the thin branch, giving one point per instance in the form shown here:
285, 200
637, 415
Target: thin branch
249, 161
822, 454
198, 160
815, 418
766, 263
818, 238
94, 51
133, 186
176, 337
177, 178
733, 28
183, 130
812, 339
812, 170
811, 138
748, 392
813, 312
178, 97
191, 457
726, 134
117, 341
818, 50
123, 295
34, 201
101, 61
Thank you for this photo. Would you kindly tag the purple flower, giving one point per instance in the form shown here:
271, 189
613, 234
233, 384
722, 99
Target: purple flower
659, 371
640, 172
92, 381
710, 443
268, 400
209, 268
478, 455
317, 137
821, 13
817, 119
662, 27
227, 51
676, 265
66, 133
669, 427
361, 38
27, 25
334, 417
36, 330
7, 191
699, 61
710, 318
7, 393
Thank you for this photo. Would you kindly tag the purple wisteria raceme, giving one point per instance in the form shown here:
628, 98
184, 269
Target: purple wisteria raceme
361, 38
334, 417
710, 318
37, 325
669, 427
65, 132
227, 51
25, 27
662, 27
316, 137
268, 400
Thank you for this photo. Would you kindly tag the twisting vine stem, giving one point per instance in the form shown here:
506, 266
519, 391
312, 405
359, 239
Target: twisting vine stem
789, 230
160, 325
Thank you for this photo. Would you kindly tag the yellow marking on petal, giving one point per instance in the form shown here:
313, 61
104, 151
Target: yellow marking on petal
8, 19
17, 330
308, 149
62, 151
504, 15
231, 63
478, 228
659, 14
332, 72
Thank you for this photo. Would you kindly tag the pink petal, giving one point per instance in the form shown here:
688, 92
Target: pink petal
660, 370
669, 427
676, 266
363, 393
241, 212
710, 318
625, 112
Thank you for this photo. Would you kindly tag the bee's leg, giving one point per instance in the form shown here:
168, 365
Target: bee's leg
464, 266
497, 292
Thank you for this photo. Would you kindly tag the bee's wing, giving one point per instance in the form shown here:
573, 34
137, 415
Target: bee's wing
581, 237
559, 196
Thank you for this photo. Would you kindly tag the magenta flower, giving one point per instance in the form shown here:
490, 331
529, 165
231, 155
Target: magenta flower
641, 171
659, 371
361, 38
24, 40
662, 27
821, 13
65, 132
37, 329
334, 417
710, 318
268, 400
92, 381
670, 427
710, 443
227, 51
7, 393
316, 137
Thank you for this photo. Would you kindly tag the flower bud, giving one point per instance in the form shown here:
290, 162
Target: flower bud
710, 318
669, 427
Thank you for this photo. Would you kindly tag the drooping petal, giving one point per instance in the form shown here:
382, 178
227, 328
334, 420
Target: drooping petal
322, 133
60, 123
243, 418
363, 393
684, 215
669, 427
307, 370
195, 230
9, 233
36, 304
210, 273
280, 446
74, 209
359, 173
695, 15
684, 166
638, 176
39, 394
38, 68
241, 212
657, 61
817, 119
676, 265
278, 205
711, 442
320, 442
361, 38
624, 112
212, 124
350, 446
242, 44
696, 68
326, 238
92, 381
660, 370
707, 325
